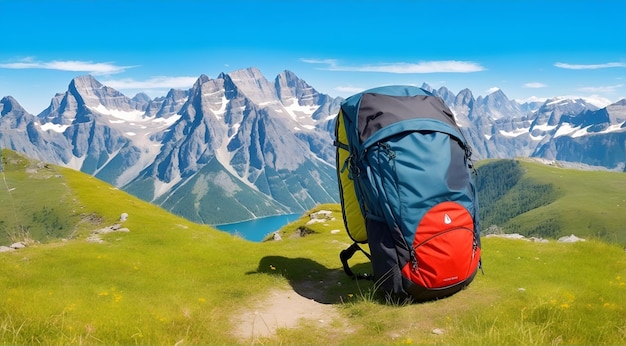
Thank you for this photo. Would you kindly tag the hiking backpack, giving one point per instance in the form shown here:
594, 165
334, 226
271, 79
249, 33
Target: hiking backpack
407, 191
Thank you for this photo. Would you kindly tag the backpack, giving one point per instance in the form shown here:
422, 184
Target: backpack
407, 191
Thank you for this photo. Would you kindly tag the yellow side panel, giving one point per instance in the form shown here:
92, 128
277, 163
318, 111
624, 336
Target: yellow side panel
352, 216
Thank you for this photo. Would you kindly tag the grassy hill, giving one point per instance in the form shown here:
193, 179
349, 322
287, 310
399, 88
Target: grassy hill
36, 201
533, 199
170, 281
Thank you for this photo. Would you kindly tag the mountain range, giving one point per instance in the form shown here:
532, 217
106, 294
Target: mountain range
241, 146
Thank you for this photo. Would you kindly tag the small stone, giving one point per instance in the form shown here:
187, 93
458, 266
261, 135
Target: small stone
94, 239
438, 331
570, 239
6, 249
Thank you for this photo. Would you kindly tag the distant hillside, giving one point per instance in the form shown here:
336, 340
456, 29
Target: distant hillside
45, 203
36, 202
516, 196
536, 199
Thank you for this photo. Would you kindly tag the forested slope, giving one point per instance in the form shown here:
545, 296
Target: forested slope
534, 199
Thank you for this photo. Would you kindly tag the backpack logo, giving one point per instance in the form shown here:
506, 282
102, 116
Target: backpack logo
447, 220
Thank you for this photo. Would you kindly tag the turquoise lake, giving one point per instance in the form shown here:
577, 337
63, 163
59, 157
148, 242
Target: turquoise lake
257, 229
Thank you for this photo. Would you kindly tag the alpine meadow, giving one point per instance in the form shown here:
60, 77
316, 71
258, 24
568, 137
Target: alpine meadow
100, 266
271, 172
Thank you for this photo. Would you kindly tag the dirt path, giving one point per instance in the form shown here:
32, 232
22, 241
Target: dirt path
281, 308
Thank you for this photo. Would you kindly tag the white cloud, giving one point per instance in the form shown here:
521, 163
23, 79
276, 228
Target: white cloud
98, 68
492, 90
532, 99
444, 66
331, 62
183, 82
608, 89
596, 100
349, 89
589, 66
535, 85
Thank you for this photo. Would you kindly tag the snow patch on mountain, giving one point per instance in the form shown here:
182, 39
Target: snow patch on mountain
615, 128
299, 112
58, 128
308, 127
224, 157
166, 122
544, 127
536, 138
75, 162
128, 116
219, 113
111, 156
567, 129
161, 187
514, 133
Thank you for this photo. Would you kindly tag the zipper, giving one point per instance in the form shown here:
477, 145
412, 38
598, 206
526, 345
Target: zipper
480, 260
388, 155
387, 149
413, 259
475, 246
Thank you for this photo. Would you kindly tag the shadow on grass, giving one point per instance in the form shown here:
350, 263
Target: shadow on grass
312, 280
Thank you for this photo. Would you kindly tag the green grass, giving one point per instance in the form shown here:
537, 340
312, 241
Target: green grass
80, 293
589, 204
170, 281
593, 203
36, 202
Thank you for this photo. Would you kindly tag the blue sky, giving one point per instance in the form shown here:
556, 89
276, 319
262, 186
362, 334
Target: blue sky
526, 48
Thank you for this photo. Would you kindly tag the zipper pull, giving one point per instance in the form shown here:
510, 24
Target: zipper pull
413, 259
387, 149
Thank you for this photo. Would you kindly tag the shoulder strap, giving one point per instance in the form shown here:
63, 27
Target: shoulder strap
346, 254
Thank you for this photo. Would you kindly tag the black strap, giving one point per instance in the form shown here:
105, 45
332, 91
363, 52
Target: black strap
343, 146
346, 254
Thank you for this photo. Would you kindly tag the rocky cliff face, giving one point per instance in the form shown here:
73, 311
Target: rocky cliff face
557, 129
265, 146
